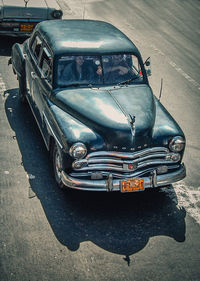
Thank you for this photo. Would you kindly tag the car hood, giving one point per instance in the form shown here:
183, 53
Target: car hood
110, 111
16, 9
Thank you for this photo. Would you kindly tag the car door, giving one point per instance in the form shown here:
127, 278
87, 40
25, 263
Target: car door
42, 85
32, 68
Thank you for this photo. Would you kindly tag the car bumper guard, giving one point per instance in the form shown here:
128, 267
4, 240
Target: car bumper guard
110, 184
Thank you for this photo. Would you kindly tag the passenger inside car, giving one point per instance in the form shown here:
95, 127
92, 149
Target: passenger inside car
77, 70
80, 69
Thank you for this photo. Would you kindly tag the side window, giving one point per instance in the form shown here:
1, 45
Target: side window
36, 47
46, 64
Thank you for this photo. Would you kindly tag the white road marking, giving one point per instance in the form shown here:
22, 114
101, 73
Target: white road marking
2, 86
177, 68
188, 197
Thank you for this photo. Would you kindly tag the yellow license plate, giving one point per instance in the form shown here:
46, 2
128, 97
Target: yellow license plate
26, 27
132, 185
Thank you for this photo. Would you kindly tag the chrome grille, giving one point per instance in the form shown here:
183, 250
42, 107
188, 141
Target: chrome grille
125, 164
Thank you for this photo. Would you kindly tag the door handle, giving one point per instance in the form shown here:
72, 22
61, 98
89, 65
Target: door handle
33, 75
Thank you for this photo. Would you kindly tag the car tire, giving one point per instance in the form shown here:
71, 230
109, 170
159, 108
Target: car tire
57, 165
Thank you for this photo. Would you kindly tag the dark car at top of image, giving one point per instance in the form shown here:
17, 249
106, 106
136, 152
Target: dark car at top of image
19, 17
87, 86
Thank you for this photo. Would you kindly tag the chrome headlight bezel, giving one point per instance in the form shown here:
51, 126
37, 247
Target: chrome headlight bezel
177, 144
78, 150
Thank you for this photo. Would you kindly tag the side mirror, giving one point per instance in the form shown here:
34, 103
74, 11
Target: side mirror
147, 66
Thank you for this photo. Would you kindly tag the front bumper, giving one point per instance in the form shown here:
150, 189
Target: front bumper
110, 184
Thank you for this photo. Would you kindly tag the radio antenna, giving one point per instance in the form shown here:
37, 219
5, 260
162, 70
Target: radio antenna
161, 86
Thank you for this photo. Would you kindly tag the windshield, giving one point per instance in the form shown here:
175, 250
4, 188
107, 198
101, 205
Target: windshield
98, 70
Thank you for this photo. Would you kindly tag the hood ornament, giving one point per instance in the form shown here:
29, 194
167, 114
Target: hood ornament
131, 120
26, 2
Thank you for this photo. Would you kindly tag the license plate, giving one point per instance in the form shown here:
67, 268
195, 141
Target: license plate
132, 185
26, 27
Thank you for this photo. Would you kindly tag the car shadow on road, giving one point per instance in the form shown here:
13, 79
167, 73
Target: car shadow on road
118, 223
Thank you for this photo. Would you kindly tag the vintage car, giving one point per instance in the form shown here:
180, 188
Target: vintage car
87, 87
19, 17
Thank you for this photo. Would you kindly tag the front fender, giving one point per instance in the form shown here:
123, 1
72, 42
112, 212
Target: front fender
70, 130
165, 127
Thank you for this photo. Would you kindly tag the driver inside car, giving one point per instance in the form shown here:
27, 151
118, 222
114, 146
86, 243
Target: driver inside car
117, 68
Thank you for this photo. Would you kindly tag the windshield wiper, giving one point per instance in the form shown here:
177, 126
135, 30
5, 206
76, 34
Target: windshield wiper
71, 85
129, 80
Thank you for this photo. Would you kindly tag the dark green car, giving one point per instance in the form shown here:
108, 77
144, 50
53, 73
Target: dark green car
88, 89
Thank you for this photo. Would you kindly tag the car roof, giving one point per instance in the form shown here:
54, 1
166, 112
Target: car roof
84, 37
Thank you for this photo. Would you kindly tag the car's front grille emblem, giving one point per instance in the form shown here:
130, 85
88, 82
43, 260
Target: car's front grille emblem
131, 120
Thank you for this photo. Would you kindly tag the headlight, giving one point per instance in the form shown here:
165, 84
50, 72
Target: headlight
78, 150
57, 14
177, 144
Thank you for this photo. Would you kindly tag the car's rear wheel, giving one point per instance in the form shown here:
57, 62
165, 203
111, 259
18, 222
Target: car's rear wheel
57, 165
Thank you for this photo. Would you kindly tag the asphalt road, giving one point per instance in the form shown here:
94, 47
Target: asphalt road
50, 235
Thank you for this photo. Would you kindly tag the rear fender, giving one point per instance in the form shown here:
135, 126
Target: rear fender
18, 61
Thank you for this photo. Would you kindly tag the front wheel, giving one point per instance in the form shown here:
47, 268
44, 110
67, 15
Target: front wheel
57, 165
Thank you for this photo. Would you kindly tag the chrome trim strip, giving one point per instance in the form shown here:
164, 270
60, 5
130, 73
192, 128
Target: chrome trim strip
127, 155
102, 185
103, 167
119, 161
50, 128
